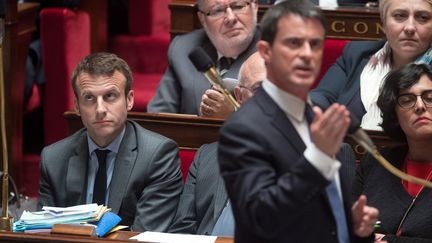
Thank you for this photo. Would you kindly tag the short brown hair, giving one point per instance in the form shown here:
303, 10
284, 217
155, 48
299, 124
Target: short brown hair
102, 64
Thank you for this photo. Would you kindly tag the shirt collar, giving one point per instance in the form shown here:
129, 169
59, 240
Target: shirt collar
290, 104
219, 56
113, 146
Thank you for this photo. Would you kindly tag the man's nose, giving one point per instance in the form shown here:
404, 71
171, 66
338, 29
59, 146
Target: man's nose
230, 18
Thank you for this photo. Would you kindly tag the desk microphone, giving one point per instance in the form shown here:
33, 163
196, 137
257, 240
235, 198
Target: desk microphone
204, 64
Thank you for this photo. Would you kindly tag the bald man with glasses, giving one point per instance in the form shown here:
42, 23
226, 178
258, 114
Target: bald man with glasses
228, 36
204, 207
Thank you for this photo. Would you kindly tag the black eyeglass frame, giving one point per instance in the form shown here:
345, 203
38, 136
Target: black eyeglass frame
226, 6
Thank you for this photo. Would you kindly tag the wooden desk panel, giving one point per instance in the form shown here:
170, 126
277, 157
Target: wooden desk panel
118, 237
352, 23
191, 132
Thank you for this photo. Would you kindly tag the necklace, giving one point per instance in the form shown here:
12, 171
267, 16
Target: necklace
399, 230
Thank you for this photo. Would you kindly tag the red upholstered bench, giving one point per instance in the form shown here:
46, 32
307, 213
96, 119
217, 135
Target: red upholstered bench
145, 46
65, 40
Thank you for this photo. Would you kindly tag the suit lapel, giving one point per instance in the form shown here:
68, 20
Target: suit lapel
279, 120
221, 198
123, 166
76, 178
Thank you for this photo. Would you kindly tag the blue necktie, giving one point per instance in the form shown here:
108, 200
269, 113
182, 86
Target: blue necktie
333, 196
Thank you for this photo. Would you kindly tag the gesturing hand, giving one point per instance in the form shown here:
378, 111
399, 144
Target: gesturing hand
364, 217
328, 128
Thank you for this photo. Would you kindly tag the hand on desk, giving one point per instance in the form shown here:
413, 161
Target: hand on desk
215, 104
364, 217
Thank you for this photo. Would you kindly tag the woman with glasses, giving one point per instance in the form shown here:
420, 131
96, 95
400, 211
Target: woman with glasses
405, 101
354, 80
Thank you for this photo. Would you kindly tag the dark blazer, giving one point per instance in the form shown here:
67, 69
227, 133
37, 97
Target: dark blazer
203, 197
386, 192
146, 175
276, 194
341, 83
182, 86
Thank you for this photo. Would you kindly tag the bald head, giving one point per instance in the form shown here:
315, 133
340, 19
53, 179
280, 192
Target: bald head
252, 73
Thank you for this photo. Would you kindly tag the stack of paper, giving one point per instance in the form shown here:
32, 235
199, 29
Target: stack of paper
55, 215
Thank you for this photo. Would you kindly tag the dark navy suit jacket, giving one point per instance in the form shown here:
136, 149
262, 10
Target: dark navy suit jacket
276, 194
341, 83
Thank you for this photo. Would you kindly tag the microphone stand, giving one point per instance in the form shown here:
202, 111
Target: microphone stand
215, 79
6, 222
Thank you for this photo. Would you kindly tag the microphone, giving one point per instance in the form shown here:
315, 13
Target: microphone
204, 64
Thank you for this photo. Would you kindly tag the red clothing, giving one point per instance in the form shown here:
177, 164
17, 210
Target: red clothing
418, 169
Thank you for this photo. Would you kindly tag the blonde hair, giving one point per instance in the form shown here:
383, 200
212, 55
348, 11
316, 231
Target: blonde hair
384, 6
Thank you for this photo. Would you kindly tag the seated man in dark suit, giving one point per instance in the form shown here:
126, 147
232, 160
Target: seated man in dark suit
279, 157
203, 203
112, 161
229, 35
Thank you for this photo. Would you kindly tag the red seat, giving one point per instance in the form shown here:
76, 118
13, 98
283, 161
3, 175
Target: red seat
65, 40
332, 50
145, 46
186, 158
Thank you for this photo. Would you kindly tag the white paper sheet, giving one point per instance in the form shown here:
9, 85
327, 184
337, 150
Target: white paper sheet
173, 238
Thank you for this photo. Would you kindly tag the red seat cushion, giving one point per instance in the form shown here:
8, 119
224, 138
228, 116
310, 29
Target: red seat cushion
332, 50
144, 87
186, 157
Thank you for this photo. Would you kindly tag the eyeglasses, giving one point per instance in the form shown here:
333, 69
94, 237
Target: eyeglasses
408, 101
218, 11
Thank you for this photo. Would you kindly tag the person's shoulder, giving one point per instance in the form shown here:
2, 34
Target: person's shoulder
355, 48
190, 39
147, 135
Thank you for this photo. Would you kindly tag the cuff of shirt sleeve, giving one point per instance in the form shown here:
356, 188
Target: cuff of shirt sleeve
323, 163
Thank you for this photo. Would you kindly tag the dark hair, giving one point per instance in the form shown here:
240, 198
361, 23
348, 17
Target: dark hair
303, 8
102, 64
402, 78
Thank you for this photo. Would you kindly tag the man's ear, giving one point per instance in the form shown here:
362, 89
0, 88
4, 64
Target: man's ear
130, 100
263, 48
201, 18
237, 94
76, 105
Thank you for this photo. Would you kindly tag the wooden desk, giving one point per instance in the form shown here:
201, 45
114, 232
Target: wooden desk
352, 23
20, 23
191, 132
118, 237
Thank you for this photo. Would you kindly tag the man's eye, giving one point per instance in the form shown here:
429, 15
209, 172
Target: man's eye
316, 44
217, 10
294, 43
110, 96
88, 97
